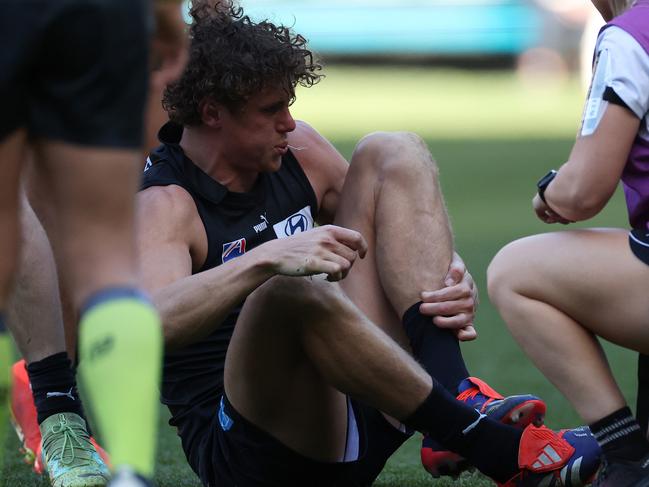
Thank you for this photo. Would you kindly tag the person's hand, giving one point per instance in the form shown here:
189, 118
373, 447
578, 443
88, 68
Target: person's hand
545, 213
453, 307
328, 249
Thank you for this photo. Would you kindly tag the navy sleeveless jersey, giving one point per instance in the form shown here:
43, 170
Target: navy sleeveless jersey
280, 204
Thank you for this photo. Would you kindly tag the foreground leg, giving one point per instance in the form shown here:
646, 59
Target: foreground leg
393, 197
45, 390
120, 340
556, 292
300, 343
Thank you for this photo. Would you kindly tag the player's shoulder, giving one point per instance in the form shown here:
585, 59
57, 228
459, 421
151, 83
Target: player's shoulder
618, 40
171, 205
311, 149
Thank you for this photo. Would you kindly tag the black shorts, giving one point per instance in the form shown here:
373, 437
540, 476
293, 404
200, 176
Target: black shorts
639, 243
234, 452
75, 70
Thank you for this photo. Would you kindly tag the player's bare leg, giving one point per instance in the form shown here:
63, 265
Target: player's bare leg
393, 197
556, 292
34, 310
12, 152
300, 343
313, 348
92, 192
44, 394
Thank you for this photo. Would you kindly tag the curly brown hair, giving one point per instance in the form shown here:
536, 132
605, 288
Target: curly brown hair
232, 58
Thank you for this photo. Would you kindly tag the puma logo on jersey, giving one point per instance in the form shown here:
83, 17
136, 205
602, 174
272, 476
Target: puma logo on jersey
260, 227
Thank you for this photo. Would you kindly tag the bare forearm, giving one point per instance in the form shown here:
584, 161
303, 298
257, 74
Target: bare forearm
192, 307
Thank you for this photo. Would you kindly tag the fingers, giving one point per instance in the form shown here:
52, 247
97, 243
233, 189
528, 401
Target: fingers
448, 308
451, 293
456, 270
351, 238
455, 322
466, 334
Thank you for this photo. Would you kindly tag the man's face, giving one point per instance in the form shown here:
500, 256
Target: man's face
256, 134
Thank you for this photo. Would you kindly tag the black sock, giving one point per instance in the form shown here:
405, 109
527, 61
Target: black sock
54, 386
436, 349
3, 327
620, 437
642, 404
490, 446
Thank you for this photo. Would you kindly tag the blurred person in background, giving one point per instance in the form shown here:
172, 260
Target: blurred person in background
76, 89
558, 291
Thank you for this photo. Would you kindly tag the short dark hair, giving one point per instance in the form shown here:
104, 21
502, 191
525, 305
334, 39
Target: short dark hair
232, 58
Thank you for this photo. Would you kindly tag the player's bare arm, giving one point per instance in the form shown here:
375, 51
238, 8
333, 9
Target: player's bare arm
191, 306
585, 183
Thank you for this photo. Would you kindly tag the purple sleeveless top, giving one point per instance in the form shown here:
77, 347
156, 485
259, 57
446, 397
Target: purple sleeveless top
635, 177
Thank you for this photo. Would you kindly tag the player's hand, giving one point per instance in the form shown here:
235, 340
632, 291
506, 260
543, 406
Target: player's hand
545, 213
453, 307
328, 249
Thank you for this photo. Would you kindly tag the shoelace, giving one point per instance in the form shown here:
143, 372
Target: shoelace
70, 437
471, 393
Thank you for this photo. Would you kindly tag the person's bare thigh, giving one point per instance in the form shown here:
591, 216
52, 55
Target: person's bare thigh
92, 193
591, 275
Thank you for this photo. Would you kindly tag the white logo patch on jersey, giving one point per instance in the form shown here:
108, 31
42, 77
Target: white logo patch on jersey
596, 104
148, 164
296, 223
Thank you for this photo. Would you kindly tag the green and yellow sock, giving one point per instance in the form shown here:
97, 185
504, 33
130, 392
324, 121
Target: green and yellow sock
120, 345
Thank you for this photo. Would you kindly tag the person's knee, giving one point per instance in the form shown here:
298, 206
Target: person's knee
390, 155
300, 295
503, 275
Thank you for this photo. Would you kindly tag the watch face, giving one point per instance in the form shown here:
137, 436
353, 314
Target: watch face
545, 180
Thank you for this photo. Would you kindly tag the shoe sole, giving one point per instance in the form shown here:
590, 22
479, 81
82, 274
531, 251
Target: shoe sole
446, 463
29, 456
526, 413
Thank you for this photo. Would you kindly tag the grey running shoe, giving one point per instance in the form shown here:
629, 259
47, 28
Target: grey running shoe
68, 456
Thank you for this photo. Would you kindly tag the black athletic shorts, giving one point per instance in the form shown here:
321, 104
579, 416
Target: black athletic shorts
639, 243
75, 70
234, 452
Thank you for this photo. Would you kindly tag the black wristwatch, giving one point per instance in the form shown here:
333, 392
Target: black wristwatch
543, 184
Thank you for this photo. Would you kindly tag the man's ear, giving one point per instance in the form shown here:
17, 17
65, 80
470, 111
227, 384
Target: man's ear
211, 113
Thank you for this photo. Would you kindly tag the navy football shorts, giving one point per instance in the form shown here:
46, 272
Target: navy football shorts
75, 70
234, 452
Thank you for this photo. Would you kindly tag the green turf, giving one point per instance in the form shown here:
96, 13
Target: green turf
493, 138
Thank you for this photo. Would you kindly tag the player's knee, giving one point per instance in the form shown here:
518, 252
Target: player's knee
302, 294
393, 155
501, 275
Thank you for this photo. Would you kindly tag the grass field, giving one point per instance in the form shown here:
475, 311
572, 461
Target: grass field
493, 138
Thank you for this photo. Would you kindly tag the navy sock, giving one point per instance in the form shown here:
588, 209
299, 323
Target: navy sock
54, 386
620, 436
3, 327
436, 349
490, 446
